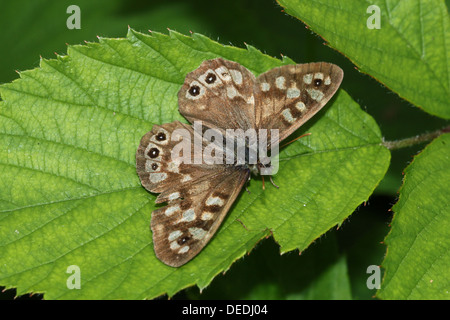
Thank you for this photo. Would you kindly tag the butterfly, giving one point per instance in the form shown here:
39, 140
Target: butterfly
222, 95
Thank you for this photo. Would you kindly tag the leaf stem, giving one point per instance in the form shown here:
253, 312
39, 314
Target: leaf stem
409, 142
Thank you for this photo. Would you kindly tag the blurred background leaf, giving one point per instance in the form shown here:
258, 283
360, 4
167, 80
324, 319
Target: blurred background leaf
319, 273
418, 257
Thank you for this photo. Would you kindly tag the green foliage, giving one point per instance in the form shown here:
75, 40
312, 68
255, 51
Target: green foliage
413, 36
69, 193
70, 131
418, 256
320, 272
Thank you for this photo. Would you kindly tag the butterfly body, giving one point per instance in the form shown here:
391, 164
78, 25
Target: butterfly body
219, 97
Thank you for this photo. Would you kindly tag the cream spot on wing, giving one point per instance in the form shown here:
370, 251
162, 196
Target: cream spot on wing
236, 75
280, 82
327, 81
175, 235
288, 115
171, 210
197, 233
300, 106
251, 100
307, 78
264, 86
186, 177
188, 216
318, 75
184, 249
157, 177
174, 196
315, 94
293, 93
223, 73
231, 92
174, 245
212, 201
207, 216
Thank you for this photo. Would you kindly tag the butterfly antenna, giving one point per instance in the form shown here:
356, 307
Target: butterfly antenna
303, 135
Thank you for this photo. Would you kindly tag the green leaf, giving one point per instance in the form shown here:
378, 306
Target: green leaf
319, 273
70, 195
409, 53
418, 257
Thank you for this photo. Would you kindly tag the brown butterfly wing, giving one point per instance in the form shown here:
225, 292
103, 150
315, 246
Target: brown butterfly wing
290, 95
223, 95
182, 228
219, 93
198, 196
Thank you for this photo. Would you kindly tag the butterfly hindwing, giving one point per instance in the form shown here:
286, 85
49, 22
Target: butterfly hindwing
184, 226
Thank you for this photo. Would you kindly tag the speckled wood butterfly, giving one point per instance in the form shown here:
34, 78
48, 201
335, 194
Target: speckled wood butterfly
223, 95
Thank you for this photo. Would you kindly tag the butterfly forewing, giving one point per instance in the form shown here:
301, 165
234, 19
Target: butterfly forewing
220, 94
290, 95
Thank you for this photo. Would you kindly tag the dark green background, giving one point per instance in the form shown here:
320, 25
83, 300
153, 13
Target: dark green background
34, 28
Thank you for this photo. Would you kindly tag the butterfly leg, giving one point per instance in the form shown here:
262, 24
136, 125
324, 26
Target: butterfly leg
271, 180
303, 135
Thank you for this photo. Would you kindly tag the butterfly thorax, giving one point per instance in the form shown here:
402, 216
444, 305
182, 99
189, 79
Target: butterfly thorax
252, 160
